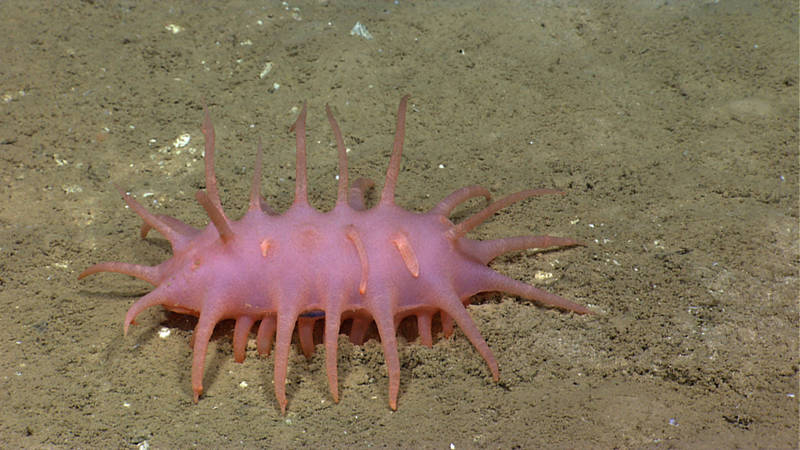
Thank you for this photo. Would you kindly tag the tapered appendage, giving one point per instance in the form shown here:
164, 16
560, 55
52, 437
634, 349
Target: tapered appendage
469, 224
424, 327
486, 251
387, 196
301, 178
211, 177
448, 204
341, 193
490, 280
240, 333
256, 202
159, 296
283, 340
146, 273
447, 324
332, 321
358, 330
455, 309
388, 335
358, 193
175, 238
266, 333
400, 241
187, 231
216, 215
202, 334
305, 333
355, 238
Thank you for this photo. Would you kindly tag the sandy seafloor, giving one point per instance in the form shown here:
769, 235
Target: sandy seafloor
673, 126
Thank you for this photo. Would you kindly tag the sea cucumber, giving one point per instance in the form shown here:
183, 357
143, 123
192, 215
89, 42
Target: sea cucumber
352, 263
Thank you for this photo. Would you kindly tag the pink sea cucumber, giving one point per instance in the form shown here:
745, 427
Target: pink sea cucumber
352, 263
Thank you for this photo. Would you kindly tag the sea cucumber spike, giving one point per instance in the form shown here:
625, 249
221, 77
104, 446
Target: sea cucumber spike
478, 218
283, 340
388, 334
305, 333
256, 202
301, 177
333, 320
358, 192
400, 241
176, 239
146, 273
446, 206
187, 231
358, 329
387, 195
158, 296
486, 251
202, 334
217, 217
353, 236
265, 335
489, 280
424, 327
211, 177
341, 193
447, 324
455, 309
240, 333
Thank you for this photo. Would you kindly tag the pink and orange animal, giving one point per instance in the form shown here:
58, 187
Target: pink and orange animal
363, 265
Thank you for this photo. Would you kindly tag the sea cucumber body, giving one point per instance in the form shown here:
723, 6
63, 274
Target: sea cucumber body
288, 271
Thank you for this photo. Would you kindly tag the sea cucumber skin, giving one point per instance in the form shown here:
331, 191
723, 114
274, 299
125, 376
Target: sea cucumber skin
288, 271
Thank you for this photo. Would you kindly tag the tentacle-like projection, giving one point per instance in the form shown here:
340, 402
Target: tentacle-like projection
176, 239
469, 224
424, 320
388, 333
283, 342
301, 176
486, 251
265, 335
341, 193
146, 273
450, 303
333, 320
187, 231
240, 333
202, 335
489, 280
211, 176
158, 296
257, 203
387, 195
216, 215
449, 203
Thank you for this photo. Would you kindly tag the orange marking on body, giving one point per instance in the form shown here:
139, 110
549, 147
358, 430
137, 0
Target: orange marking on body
354, 237
400, 240
196, 264
265, 245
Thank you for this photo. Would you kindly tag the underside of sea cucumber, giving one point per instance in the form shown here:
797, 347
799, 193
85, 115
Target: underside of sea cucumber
291, 270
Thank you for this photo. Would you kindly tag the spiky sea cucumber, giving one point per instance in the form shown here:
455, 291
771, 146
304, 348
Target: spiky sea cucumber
352, 263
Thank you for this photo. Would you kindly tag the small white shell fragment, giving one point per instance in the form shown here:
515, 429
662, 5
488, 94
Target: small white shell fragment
266, 70
361, 31
164, 332
441, 166
542, 276
243, 384
182, 140
175, 29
